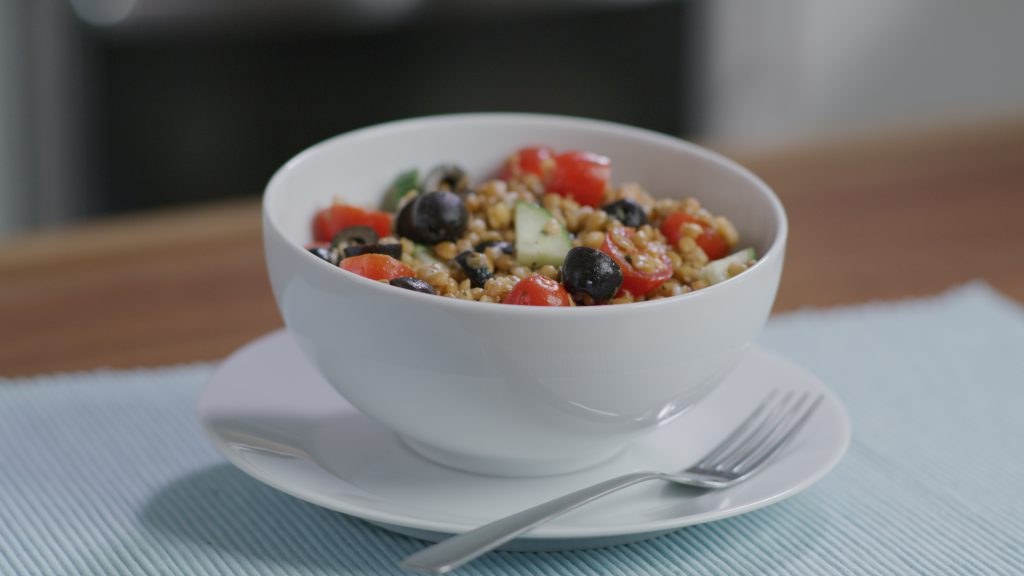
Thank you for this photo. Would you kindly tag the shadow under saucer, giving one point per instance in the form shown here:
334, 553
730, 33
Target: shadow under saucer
223, 509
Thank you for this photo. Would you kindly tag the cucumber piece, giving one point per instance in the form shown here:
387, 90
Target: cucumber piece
404, 182
424, 254
540, 239
718, 270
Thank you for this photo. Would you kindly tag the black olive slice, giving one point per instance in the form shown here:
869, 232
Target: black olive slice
505, 247
394, 250
628, 212
354, 236
324, 253
414, 284
591, 272
432, 218
446, 178
476, 266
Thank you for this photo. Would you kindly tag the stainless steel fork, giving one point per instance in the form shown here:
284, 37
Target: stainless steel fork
769, 427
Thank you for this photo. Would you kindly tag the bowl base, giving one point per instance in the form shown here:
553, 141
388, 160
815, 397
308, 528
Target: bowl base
509, 466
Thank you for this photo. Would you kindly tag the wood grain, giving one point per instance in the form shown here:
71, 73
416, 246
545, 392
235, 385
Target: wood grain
901, 216
889, 217
135, 291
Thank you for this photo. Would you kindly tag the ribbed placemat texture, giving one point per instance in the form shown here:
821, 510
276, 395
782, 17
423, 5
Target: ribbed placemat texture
109, 473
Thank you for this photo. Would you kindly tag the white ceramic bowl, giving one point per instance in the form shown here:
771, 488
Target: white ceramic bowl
515, 390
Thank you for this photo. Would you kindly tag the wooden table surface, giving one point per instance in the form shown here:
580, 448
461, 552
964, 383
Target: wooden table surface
879, 218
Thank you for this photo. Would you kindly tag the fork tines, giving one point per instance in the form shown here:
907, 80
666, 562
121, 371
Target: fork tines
770, 426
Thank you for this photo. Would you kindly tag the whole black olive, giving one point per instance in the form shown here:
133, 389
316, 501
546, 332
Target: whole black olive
414, 284
628, 212
476, 266
446, 177
432, 218
591, 272
324, 254
505, 247
354, 236
394, 250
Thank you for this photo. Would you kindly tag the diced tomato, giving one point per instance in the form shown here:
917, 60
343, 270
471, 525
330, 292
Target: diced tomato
672, 225
376, 266
582, 176
710, 241
642, 270
535, 160
337, 217
538, 290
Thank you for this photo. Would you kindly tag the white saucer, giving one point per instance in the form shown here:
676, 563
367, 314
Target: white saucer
276, 418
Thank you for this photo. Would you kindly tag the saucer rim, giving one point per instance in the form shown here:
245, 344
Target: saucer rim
551, 531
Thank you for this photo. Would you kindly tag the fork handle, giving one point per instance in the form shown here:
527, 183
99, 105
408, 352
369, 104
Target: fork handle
457, 550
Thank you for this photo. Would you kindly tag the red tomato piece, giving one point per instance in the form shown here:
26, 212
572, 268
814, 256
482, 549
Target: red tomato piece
672, 226
644, 269
535, 160
379, 221
710, 241
337, 217
376, 266
538, 290
582, 176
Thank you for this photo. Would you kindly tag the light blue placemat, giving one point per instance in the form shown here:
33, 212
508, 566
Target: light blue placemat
109, 473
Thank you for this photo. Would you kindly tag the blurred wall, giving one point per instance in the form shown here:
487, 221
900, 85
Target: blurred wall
793, 70
47, 154
15, 129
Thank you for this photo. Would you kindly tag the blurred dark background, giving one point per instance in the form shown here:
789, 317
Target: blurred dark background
232, 108
194, 101
108, 106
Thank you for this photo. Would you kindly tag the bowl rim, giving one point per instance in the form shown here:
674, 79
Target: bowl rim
775, 250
